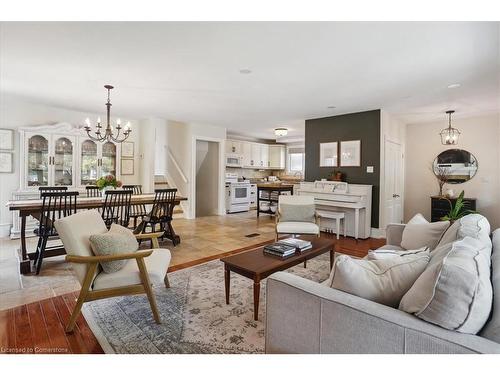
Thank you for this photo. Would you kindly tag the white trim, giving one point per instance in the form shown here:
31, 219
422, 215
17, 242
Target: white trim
221, 204
377, 233
5, 230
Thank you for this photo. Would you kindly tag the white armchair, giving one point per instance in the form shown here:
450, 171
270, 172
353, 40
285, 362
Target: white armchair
150, 266
292, 222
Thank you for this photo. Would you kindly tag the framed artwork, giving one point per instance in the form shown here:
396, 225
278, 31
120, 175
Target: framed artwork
6, 139
6, 162
127, 166
127, 149
328, 154
350, 154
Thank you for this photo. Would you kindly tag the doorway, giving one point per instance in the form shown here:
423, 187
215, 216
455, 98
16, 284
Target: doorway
207, 178
393, 199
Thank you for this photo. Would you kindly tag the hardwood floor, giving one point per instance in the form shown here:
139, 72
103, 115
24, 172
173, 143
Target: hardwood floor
38, 327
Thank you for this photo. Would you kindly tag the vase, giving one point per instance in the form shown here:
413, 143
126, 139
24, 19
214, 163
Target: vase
105, 189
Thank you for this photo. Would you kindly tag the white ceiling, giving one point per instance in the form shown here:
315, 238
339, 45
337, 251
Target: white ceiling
191, 71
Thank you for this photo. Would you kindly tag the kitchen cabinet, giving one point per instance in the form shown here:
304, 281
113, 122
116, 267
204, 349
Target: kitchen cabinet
264, 156
247, 155
234, 147
277, 156
255, 159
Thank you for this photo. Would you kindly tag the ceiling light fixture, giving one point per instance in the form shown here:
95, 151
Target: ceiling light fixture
449, 135
108, 132
454, 86
280, 132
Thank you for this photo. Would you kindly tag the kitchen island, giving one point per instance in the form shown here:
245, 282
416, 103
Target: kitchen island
271, 191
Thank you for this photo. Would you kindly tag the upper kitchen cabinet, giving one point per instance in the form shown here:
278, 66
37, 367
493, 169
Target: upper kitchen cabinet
277, 156
247, 155
264, 155
234, 147
62, 155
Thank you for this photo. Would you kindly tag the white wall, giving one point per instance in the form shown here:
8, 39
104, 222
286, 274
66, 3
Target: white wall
480, 136
16, 112
391, 129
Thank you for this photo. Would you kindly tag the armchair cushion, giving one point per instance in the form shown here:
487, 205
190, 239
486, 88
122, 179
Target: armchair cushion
297, 212
156, 264
297, 227
118, 240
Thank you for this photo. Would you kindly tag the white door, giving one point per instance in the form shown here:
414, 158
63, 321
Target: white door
393, 182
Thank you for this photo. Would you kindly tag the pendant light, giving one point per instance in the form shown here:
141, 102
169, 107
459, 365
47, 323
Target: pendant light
449, 135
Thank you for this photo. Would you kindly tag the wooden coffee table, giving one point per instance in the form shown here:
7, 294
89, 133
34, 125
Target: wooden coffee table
256, 265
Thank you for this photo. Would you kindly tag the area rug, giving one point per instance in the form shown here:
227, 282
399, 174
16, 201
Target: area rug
195, 317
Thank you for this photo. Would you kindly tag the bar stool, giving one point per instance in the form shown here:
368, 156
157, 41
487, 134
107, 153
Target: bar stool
334, 215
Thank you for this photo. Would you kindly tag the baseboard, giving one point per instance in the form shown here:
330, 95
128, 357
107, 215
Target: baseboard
5, 230
377, 233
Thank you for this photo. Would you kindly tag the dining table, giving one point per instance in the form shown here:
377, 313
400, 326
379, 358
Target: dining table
32, 207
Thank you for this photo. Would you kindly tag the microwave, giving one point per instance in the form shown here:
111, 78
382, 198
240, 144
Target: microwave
234, 160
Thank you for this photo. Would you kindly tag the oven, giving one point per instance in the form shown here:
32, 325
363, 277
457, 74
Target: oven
234, 160
237, 197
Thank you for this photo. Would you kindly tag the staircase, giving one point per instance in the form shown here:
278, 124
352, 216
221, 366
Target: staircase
162, 183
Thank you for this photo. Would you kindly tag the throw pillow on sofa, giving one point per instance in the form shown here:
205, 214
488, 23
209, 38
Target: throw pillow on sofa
383, 281
118, 240
455, 290
472, 225
385, 253
419, 233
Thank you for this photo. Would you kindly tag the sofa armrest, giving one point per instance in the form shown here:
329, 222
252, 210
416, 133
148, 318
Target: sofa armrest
394, 234
306, 317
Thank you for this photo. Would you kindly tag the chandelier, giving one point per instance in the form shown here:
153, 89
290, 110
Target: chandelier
108, 134
449, 135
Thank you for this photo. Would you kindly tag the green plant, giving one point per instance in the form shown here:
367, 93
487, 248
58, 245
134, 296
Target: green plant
108, 180
457, 211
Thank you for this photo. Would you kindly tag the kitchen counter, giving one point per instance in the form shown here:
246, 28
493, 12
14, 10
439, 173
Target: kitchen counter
274, 186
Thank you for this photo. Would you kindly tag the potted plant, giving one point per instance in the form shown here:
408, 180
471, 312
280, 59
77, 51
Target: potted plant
108, 182
457, 211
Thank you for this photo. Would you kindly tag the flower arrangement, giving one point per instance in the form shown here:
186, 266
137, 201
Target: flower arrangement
107, 181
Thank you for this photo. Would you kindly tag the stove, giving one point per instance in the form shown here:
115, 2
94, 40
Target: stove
237, 194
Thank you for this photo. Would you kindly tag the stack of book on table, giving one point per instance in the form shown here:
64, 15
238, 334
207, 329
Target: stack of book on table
300, 245
287, 247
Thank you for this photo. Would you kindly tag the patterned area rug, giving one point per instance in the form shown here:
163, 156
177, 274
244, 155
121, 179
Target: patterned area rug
195, 317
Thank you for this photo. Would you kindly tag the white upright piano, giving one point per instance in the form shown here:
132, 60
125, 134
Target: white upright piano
353, 199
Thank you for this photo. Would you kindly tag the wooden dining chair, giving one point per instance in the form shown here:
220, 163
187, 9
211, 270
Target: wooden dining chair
51, 189
92, 191
143, 267
136, 210
160, 216
116, 207
55, 205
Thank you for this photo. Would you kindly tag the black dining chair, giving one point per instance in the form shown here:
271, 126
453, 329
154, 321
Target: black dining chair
136, 210
116, 207
55, 205
92, 191
161, 215
51, 189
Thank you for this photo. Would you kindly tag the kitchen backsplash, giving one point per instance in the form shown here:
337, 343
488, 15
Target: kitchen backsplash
251, 173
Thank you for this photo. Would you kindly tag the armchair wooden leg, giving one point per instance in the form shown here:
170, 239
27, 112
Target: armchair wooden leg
89, 277
166, 281
147, 287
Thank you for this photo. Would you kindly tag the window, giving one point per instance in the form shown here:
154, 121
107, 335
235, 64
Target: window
296, 158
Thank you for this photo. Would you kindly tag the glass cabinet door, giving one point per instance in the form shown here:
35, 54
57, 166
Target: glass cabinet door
63, 162
89, 163
38, 161
108, 161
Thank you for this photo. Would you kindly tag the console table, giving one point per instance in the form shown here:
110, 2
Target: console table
440, 206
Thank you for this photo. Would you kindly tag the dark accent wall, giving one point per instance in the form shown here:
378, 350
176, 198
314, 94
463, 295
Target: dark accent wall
349, 127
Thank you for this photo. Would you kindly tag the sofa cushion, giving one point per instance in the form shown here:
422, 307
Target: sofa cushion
297, 227
386, 253
383, 281
390, 247
297, 212
454, 291
419, 233
118, 240
491, 330
156, 264
473, 225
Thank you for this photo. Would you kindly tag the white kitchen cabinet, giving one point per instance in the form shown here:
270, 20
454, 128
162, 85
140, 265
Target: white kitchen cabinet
264, 156
247, 154
256, 157
277, 156
234, 147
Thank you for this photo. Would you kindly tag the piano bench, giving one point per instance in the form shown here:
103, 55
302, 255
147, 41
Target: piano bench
337, 216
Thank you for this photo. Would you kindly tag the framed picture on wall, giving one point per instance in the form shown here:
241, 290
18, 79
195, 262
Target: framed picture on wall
328, 154
6, 139
127, 166
350, 153
127, 149
6, 162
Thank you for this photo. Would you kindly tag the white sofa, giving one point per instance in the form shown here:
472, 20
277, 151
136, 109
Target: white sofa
307, 317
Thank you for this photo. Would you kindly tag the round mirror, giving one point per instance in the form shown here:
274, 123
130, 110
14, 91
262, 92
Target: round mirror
458, 165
